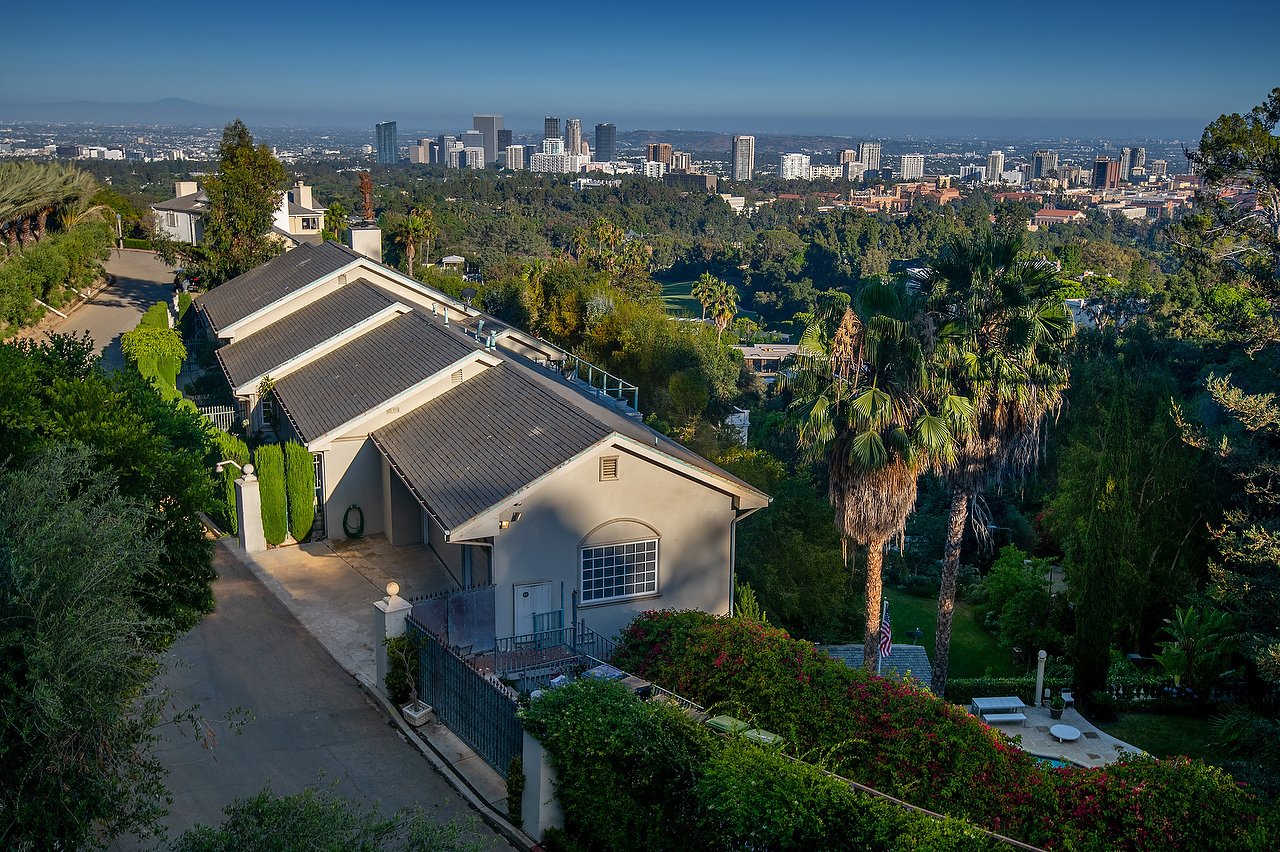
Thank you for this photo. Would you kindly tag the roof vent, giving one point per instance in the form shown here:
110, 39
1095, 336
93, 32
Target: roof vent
608, 468
456, 376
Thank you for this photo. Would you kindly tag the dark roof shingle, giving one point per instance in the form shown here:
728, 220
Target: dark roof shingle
481, 441
366, 372
301, 330
254, 290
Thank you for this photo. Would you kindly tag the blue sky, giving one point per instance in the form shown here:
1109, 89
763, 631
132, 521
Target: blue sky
1079, 68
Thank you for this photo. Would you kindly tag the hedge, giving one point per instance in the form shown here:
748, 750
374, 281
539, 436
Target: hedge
902, 740
645, 775
132, 243
229, 447
269, 468
300, 483
51, 271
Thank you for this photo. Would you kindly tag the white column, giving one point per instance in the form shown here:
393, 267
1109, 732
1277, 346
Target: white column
389, 617
539, 809
1039, 697
249, 514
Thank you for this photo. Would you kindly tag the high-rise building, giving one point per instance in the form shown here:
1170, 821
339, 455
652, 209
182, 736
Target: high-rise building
912, 166
995, 166
606, 143
488, 125
444, 144
573, 135
551, 127
1106, 173
973, 173
514, 157
504, 139
854, 170
472, 139
1159, 168
869, 153
659, 152
794, 167
388, 150
849, 156
420, 153
472, 158
744, 157
1043, 163
1137, 159
1126, 161
681, 161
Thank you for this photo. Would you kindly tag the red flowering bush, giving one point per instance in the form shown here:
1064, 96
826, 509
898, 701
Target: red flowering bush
905, 741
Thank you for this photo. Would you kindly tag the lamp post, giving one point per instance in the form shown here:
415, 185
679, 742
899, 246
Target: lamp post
248, 507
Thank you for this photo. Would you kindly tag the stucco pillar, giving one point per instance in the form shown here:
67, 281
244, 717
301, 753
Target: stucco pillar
1039, 697
539, 808
389, 616
249, 514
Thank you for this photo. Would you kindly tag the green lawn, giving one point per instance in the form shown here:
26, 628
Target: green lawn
1165, 736
973, 650
678, 301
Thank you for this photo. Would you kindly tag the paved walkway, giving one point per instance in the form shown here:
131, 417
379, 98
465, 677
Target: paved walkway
311, 719
1094, 748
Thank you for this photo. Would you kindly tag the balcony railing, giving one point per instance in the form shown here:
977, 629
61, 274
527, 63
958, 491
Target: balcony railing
549, 649
601, 381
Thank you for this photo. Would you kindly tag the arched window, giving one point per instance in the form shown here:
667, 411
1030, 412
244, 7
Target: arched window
619, 560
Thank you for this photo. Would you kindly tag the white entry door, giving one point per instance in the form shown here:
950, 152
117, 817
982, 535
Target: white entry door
531, 599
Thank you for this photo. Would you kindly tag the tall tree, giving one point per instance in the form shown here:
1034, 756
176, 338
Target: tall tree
243, 196
410, 235
859, 399
1002, 335
335, 219
723, 303
702, 290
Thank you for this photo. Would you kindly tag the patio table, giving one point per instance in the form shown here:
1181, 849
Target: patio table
997, 704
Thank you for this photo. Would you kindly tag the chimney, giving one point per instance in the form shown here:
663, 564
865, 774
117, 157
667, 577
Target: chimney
366, 240
185, 187
302, 195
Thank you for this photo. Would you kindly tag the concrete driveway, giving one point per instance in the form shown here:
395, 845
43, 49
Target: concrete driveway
141, 281
311, 718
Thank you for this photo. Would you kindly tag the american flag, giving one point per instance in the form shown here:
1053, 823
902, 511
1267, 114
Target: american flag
886, 633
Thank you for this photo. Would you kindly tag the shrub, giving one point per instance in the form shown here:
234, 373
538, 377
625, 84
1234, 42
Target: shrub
402, 653
156, 316
269, 467
132, 243
229, 447
907, 742
300, 482
156, 350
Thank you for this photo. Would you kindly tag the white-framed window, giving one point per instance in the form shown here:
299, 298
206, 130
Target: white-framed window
310, 223
269, 412
623, 570
171, 220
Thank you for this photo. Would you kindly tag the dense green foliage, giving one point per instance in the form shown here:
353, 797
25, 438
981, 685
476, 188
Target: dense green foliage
230, 448
268, 466
318, 820
51, 270
300, 485
687, 789
904, 741
76, 713
156, 350
159, 453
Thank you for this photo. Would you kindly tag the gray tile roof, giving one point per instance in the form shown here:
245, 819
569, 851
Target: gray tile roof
481, 441
245, 294
301, 330
196, 202
367, 371
901, 660
299, 210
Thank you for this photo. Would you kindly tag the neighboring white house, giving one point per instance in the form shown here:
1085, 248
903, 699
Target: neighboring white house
451, 430
295, 221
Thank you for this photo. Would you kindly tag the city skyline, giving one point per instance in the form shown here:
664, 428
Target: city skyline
718, 84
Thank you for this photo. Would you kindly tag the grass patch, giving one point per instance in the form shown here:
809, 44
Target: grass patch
676, 296
1166, 736
973, 650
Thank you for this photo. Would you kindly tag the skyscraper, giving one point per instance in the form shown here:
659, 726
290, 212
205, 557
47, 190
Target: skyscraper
573, 135
1137, 159
1043, 163
744, 157
606, 143
995, 165
388, 150
660, 152
794, 167
472, 139
514, 157
869, 153
504, 139
1126, 155
849, 156
489, 126
912, 166
551, 127
681, 161
1106, 173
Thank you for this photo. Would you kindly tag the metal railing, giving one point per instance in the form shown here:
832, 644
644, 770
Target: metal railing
549, 649
481, 712
601, 381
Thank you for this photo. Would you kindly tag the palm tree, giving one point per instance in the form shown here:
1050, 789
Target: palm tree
723, 305
702, 290
859, 398
335, 219
410, 235
1002, 337
430, 230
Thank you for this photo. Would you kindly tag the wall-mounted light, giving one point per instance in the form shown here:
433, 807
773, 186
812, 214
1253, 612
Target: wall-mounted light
504, 524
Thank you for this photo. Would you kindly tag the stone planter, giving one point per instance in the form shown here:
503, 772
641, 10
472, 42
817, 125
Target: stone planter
1055, 713
416, 714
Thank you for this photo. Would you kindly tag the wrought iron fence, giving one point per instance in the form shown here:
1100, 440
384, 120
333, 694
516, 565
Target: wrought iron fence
481, 712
